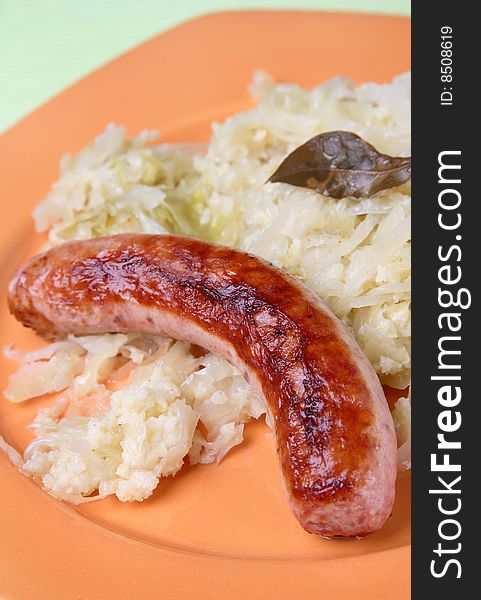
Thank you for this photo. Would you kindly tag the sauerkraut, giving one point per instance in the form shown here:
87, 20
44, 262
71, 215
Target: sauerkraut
355, 254
96, 440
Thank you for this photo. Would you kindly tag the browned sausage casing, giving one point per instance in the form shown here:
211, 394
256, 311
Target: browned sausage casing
335, 435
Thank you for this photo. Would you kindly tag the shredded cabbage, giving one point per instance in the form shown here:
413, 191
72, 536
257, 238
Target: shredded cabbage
355, 254
88, 446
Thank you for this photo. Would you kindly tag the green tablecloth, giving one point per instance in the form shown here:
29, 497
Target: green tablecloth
45, 45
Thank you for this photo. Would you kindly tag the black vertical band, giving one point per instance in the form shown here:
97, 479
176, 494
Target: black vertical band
446, 394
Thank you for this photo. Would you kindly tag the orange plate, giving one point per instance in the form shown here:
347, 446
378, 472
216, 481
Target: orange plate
210, 532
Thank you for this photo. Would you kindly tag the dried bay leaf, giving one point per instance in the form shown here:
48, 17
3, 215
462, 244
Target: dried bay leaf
341, 164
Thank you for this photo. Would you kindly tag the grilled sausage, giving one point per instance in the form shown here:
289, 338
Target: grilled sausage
334, 433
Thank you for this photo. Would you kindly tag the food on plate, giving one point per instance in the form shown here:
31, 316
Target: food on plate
133, 407
335, 435
353, 253
138, 405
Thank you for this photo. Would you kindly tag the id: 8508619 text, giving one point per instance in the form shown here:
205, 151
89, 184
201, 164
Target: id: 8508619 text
446, 65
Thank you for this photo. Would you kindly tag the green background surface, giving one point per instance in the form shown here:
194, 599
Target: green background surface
45, 45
